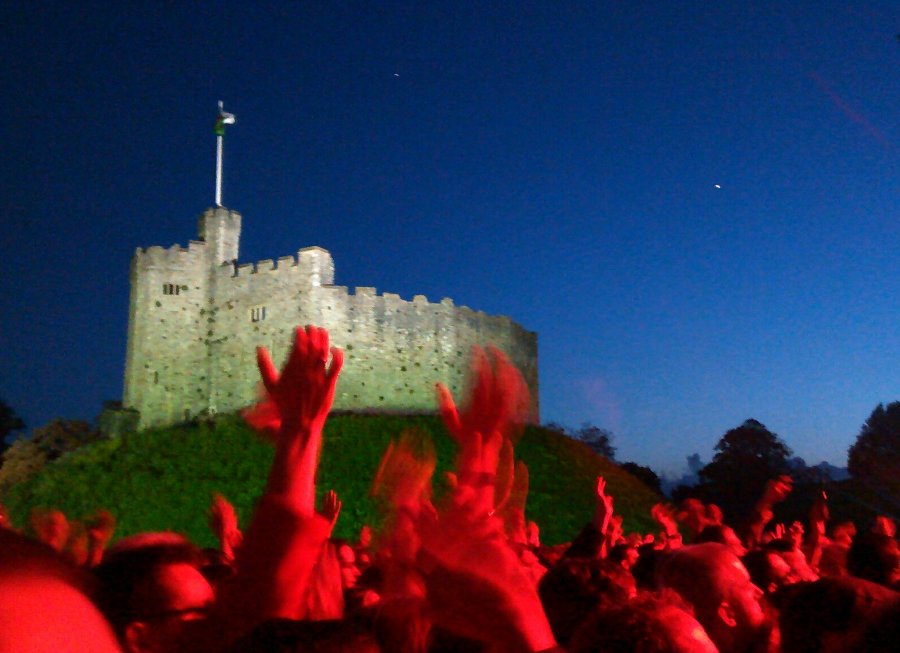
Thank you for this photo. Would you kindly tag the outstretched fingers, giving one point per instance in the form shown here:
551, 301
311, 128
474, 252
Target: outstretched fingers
337, 362
267, 369
449, 413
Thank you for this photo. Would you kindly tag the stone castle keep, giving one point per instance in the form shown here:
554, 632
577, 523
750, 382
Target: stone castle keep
196, 317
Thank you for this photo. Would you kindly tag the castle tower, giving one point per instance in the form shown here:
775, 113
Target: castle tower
220, 228
196, 317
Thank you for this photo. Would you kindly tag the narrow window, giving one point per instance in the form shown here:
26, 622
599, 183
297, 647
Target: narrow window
258, 314
171, 289
156, 377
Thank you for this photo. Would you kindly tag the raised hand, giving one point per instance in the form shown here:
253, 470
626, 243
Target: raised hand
664, 515
496, 407
223, 522
297, 404
403, 479
100, 529
497, 401
603, 510
302, 394
331, 507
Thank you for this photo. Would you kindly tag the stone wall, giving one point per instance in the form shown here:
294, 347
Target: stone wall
192, 352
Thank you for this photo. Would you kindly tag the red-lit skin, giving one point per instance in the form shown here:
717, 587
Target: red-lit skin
885, 526
742, 618
42, 614
100, 530
223, 523
733, 542
51, 528
286, 534
631, 558
365, 537
476, 585
685, 633
349, 571
724, 599
800, 569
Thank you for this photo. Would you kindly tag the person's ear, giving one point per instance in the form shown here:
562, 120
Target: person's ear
137, 637
726, 614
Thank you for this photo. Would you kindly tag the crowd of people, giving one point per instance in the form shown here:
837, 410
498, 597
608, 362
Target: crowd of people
465, 573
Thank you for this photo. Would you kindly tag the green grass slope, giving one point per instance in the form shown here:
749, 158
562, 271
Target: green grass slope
162, 479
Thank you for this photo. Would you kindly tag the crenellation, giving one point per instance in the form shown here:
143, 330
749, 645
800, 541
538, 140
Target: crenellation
288, 262
191, 352
266, 265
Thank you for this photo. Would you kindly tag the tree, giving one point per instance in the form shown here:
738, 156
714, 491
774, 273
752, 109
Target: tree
26, 456
62, 435
644, 474
746, 458
599, 440
875, 456
9, 423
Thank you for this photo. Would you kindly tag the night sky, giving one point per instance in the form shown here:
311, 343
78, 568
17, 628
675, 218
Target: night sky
695, 206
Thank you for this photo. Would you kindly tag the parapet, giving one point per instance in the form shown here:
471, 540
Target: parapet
318, 264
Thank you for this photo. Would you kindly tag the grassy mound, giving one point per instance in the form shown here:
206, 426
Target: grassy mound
162, 479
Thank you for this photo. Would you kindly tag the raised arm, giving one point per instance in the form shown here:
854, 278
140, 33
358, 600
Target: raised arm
286, 534
496, 407
297, 404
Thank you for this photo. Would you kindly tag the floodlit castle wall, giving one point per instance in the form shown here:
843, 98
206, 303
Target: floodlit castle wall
193, 353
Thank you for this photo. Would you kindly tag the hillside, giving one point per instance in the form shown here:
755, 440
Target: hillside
163, 478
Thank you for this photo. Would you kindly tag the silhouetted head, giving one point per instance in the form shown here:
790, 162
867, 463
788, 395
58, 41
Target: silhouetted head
831, 615
150, 587
717, 585
875, 557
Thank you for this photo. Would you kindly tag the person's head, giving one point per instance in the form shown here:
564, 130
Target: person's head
44, 602
347, 558
644, 625
574, 587
365, 536
150, 587
885, 526
51, 527
723, 535
843, 532
717, 585
625, 554
768, 570
831, 615
875, 557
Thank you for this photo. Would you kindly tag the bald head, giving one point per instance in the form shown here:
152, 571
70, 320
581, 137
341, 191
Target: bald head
43, 604
714, 581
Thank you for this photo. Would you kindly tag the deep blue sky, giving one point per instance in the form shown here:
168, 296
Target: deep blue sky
550, 161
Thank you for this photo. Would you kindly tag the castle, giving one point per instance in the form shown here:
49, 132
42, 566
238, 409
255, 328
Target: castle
196, 317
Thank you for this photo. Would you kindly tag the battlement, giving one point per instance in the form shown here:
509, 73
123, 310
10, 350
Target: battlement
191, 352
174, 256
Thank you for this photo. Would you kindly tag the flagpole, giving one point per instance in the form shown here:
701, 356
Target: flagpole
219, 170
219, 139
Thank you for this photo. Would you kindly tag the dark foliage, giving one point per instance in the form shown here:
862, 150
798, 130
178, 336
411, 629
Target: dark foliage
9, 424
746, 458
875, 456
646, 475
597, 439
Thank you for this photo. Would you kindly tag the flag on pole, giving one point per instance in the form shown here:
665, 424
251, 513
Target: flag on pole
224, 118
